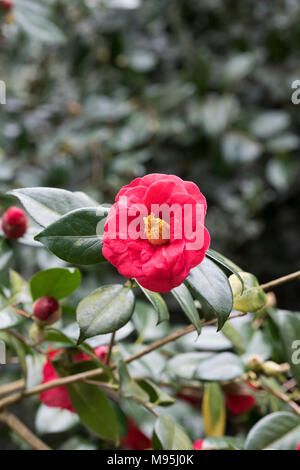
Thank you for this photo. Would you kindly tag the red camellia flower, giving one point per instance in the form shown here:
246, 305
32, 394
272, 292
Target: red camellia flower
155, 231
135, 439
14, 223
58, 397
198, 444
239, 404
298, 448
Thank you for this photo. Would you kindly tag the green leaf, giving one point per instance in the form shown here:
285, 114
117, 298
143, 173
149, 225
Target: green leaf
210, 285
95, 411
227, 263
8, 315
279, 431
144, 319
185, 300
47, 205
128, 387
288, 324
6, 253
219, 367
158, 303
185, 365
250, 298
170, 436
156, 395
213, 410
231, 333
55, 282
74, 236
33, 18
105, 310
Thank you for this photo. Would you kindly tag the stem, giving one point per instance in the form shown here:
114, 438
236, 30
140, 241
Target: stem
173, 337
281, 280
25, 341
19, 428
284, 398
95, 372
21, 312
12, 387
110, 348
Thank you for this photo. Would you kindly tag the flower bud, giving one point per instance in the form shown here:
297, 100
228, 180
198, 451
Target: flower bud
252, 298
14, 223
6, 4
270, 368
46, 311
255, 363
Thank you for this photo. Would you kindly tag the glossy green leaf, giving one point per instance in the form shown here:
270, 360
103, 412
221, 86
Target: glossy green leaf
219, 367
234, 337
185, 365
279, 431
156, 395
105, 310
74, 237
8, 315
46, 205
6, 253
185, 300
210, 285
55, 282
169, 436
289, 331
95, 411
145, 319
158, 303
227, 263
128, 387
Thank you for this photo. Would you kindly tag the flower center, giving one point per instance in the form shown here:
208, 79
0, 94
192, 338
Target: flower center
157, 230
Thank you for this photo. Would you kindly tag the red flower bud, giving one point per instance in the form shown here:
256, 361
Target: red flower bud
14, 223
46, 310
6, 4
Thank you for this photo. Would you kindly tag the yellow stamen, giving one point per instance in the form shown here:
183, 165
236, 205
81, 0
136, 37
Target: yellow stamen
157, 230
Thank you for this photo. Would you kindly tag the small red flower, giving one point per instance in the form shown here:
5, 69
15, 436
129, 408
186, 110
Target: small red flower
298, 448
14, 223
58, 397
198, 444
135, 439
143, 243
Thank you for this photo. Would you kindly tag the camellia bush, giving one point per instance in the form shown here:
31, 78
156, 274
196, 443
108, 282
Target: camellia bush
121, 372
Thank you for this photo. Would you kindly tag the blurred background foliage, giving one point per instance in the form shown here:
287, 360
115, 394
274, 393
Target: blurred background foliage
102, 91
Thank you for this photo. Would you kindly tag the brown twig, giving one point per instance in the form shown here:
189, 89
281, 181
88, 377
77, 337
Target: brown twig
19, 428
174, 336
12, 387
95, 372
110, 348
281, 280
21, 312
283, 397
24, 340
